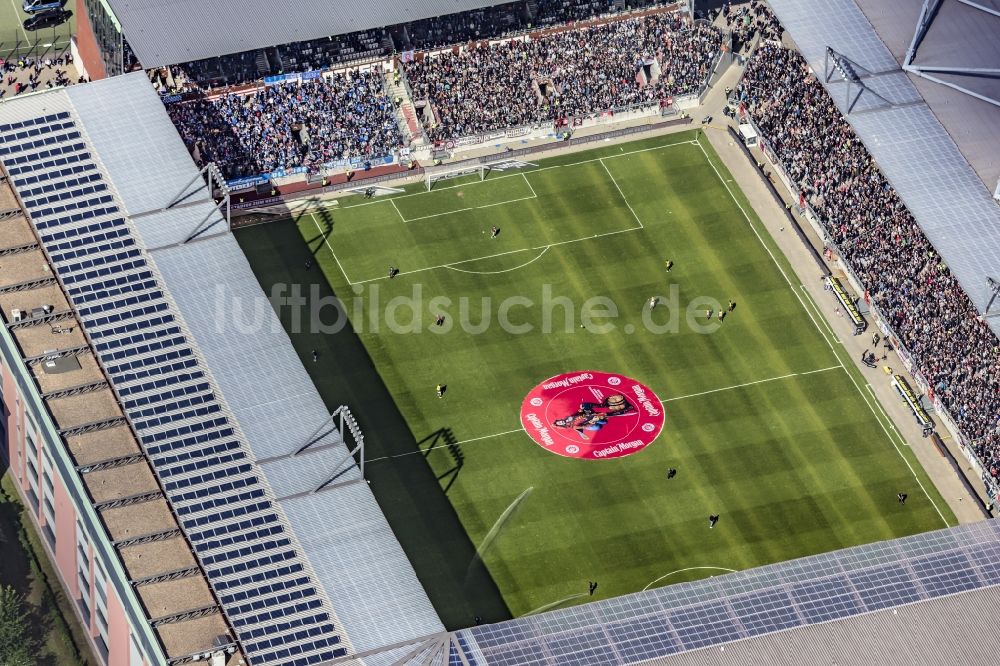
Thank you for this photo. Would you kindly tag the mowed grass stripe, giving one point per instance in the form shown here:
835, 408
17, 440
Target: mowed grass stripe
794, 467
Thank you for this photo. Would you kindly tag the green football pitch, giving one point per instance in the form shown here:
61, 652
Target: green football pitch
767, 422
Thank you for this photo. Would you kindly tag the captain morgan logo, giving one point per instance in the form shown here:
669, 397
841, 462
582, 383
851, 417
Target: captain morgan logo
592, 415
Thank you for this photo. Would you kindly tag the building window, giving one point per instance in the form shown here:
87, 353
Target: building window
48, 502
101, 609
135, 657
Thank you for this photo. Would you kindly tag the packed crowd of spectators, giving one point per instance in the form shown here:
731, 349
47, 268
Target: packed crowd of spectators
552, 12
491, 22
747, 20
568, 74
953, 347
291, 125
440, 31
248, 66
29, 74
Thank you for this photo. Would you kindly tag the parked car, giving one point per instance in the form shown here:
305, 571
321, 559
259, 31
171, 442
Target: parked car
35, 6
49, 19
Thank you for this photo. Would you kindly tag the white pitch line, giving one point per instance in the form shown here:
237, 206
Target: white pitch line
499, 254
521, 173
460, 210
667, 575
502, 203
441, 446
18, 16
816, 324
622, 194
881, 408
427, 217
759, 381
326, 240
397, 210
506, 270
809, 298
528, 183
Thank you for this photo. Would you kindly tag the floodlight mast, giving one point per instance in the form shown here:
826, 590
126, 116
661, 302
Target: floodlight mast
994, 286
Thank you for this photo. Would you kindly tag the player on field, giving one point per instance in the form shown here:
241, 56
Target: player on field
653, 300
494, 231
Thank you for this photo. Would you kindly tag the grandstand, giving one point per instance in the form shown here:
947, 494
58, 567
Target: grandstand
204, 494
222, 501
937, 186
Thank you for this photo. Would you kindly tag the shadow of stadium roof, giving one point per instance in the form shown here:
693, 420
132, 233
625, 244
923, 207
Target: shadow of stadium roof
933, 178
186, 30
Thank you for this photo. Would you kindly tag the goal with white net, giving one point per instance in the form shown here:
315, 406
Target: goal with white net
445, 172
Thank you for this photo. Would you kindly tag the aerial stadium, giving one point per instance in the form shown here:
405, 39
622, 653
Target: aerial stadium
508, 333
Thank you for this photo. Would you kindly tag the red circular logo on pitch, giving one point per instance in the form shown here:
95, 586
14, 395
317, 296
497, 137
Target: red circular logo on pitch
592, 415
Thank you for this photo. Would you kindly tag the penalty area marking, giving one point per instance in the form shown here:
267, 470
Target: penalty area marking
667, 575
506, 270
489, 256
523, 173
622, 194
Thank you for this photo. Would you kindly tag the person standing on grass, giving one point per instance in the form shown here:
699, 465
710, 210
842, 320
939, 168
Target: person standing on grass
494, 231
653, 300
393, 272
671, 473
669, 264
712, 520
593, 587
901, 497
440, 390
315, 355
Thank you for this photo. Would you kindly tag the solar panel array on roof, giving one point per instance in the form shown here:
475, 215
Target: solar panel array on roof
240, 535
714, 611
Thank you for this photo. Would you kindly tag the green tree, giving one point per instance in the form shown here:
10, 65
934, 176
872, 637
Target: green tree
16, 648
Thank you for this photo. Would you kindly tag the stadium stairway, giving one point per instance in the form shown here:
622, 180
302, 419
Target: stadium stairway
406, 114
263, 66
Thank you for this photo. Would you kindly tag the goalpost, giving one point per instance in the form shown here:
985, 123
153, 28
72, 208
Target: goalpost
445, 172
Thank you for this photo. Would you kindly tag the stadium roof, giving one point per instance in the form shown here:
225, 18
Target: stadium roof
935, 181
959, 36
959, 629
184, 30
131, 528
219, 399
794, 609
